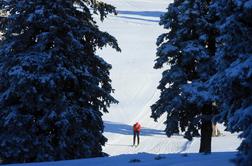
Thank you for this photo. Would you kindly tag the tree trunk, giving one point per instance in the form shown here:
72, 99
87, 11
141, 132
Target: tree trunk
206, 137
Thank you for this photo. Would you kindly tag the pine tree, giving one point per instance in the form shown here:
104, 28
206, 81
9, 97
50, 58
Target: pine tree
187, 48
232, 83
53, 86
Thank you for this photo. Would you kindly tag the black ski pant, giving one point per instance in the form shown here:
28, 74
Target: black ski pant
136, 134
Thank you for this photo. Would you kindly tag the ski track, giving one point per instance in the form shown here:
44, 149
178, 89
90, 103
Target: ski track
134, 79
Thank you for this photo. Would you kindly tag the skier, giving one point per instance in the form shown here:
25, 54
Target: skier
136, 131
216, 132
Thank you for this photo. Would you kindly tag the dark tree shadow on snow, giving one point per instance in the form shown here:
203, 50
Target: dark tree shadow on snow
140, 19
132, 15
127, 129
142, 13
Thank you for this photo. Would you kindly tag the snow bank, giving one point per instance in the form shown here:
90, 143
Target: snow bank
145, 159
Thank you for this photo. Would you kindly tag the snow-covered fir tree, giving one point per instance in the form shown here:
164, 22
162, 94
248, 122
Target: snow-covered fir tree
187, 48
53, 86
232, 84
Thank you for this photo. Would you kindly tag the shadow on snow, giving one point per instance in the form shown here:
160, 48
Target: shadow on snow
142, 13
139, 19
127, 129
131, 14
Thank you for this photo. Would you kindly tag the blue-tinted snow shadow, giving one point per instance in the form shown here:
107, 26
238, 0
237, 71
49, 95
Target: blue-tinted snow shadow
133, 15
125, 129
189, 159
139, 19
142, 13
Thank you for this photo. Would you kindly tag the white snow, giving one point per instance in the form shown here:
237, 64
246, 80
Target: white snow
215, 159
134, 79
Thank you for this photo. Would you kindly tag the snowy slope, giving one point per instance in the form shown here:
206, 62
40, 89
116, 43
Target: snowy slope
136, 28
215, 159
134, 79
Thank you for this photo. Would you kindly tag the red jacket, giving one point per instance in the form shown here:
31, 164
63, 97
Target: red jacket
137, 127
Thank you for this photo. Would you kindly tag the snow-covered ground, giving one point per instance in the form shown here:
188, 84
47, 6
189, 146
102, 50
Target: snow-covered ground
134, 79
144, 159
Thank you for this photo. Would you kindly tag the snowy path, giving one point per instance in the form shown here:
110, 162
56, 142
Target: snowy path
134, 79
136, 28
